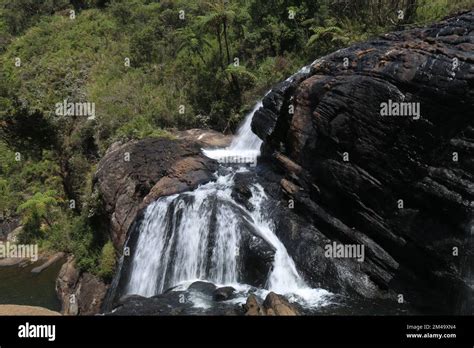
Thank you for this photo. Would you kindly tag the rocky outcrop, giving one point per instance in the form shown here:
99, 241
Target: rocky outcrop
274, 305
401, 186
9, 229
79, 293
252, 307
134, 174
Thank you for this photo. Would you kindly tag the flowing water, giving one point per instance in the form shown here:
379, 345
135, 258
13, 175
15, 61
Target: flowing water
198, 235
245, 145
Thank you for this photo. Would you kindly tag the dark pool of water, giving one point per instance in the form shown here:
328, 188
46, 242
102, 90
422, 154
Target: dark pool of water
21, 287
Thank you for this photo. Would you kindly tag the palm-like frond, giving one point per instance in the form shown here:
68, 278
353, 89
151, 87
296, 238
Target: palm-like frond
240, 71
39, 205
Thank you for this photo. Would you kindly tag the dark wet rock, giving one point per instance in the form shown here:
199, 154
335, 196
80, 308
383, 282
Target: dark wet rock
256, 257
134, 174
9, 228
337, 169
223, 294
171, 303
241, 192
188, 302
205, 288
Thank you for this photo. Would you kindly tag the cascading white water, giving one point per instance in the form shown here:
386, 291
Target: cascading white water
284, 278
246, 140
174, 239
245, 146
197, 235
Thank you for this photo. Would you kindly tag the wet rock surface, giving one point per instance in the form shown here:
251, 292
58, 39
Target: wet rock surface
203, 298
196, 300
223, 293
403, 187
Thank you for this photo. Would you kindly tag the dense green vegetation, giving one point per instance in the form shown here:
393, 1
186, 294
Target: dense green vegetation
149, 67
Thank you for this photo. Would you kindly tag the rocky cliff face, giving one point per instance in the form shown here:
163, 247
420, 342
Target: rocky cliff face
79, 293
401, 186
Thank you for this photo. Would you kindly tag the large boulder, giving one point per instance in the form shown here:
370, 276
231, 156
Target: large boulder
273, 305
223, 293
134, 174
402, 187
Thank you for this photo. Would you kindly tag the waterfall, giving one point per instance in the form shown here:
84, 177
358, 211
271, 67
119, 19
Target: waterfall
199, 235
245, 145
175, 243
246, 140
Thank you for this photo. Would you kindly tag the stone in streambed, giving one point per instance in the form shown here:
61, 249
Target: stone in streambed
223, 294
274, 305
252, 307
278, 305
204, 288
173, 303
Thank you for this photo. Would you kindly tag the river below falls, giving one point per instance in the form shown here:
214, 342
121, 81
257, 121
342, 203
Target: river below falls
18, 286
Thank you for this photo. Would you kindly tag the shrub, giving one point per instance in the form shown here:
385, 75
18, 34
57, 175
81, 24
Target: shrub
107, 262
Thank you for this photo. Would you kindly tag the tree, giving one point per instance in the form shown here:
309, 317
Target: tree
5, 193
39, 207
26, 131
219, 19
192, 43
107, 261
